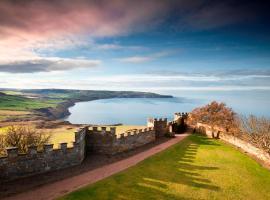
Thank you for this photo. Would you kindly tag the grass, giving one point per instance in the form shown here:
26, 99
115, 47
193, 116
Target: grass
11, 92
196, 168
13, 112
9, 114
62, 135
125, 128
18, 103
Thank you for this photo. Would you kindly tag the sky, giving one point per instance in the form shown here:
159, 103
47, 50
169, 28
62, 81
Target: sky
153, 45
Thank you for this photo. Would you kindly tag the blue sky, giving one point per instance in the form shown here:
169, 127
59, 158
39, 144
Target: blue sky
150, 46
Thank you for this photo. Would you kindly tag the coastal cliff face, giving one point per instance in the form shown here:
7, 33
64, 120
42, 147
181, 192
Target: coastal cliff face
58, 112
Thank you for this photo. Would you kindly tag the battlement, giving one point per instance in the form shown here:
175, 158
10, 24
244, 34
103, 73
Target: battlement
12, 152
153, 120
160, 126
179, 115
105, 140
102, 130
135, 132
35, 160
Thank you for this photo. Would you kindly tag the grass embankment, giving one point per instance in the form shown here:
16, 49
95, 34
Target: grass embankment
196, 168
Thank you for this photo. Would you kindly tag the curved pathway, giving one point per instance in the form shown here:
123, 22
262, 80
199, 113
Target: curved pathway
60, 188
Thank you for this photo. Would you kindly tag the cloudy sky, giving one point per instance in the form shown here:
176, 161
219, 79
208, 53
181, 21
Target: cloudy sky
153, 45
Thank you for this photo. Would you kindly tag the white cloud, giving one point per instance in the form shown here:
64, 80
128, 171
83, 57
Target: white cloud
137, 82
210, 88
117, 47
136, 59
147, 58
41, 64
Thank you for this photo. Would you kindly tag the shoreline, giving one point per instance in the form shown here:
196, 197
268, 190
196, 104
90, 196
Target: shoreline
64, 100
62, 109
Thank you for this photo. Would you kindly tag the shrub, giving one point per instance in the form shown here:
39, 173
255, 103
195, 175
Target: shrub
2, 145
24, 136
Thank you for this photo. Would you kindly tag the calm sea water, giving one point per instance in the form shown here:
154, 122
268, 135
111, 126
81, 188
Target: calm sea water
136, 111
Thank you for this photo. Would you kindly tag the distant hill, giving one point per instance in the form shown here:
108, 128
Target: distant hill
83, 95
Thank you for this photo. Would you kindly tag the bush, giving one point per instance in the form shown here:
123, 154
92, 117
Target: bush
24, 136
2, 145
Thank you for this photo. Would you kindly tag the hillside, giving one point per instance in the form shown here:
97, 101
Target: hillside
90, 94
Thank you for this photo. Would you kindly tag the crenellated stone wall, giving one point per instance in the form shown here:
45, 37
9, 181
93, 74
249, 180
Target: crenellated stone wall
16, 165
160, 126
180, 116
100, 139
179, 123
103, 140
106, 141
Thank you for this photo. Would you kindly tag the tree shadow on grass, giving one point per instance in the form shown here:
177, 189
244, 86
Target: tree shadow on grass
190, 174
165, 189
203, 140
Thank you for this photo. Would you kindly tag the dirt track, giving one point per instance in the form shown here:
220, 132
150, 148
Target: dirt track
62, 187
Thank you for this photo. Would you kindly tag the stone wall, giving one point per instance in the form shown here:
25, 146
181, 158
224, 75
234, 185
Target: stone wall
16, 165
106, 141
180, 122
102, 140
244, 145
160, 126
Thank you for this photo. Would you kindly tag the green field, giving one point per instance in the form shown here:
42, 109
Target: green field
18, 103
197, 168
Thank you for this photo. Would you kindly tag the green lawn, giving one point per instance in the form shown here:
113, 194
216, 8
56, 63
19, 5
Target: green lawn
197, 168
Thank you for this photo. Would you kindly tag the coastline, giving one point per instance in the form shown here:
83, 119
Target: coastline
62, 109
54, 104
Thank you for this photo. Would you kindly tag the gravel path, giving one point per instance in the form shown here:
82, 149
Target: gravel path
60, 188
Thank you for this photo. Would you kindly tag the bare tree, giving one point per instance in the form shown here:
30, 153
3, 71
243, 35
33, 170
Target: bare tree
218, 116
24, 136
257, 131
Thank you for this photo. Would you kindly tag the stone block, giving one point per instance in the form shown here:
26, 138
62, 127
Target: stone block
32, 150
48, 148
12, 152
